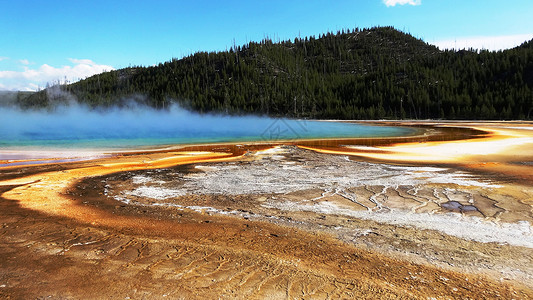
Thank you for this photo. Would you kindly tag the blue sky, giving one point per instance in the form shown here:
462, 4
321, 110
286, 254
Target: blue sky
43, 41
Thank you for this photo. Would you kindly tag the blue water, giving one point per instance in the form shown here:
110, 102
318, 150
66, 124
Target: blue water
80, 128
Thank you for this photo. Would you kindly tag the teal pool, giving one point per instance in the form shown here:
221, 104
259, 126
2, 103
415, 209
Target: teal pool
77, 128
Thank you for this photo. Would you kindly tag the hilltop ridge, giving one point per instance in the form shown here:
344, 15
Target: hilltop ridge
352, 74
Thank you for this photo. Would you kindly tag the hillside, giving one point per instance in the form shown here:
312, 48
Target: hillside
357, 74
9, 98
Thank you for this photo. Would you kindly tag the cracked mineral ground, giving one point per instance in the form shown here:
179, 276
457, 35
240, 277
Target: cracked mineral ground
272, 222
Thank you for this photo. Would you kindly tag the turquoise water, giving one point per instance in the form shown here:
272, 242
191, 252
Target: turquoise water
78, 128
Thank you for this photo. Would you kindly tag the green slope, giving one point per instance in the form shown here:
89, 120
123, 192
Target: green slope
358, 74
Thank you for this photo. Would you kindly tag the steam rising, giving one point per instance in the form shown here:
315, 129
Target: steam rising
72, 125
78, 123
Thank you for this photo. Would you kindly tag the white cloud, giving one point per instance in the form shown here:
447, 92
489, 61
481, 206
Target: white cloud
31, 78
81, 61
24, 61
3, 58
402, 2
491, 43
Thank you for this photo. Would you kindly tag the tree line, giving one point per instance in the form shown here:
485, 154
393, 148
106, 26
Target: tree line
376, 73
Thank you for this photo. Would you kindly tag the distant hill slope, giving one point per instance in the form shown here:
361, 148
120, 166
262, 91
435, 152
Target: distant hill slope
359, 74
10, 98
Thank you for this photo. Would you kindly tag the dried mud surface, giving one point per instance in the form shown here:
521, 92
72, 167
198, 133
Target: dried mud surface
277, 223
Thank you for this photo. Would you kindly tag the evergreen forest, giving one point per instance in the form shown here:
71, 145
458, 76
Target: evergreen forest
375, 73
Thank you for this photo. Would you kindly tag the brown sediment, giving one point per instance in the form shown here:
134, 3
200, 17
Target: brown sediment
61, 236
492, 147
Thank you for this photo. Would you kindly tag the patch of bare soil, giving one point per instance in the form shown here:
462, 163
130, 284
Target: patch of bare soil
434, 215
278, 223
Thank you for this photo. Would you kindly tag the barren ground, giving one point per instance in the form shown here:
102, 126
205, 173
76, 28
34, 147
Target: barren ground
361, 221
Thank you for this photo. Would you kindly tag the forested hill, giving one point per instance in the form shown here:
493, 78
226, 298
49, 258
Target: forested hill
356, 74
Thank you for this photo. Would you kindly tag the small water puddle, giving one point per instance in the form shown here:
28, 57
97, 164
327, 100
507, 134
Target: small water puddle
456, 206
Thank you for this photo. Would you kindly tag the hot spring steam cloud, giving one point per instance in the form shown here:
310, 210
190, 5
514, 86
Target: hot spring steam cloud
77, 126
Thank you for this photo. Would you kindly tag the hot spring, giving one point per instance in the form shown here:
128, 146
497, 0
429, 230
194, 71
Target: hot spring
76, 127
